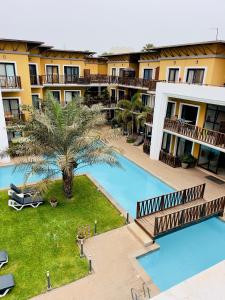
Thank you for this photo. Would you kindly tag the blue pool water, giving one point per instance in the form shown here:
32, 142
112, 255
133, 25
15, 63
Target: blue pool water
126, 185
185, 253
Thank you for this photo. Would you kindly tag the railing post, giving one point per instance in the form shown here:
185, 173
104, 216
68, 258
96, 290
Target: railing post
138, 210
156, 227
203, 190
162, 204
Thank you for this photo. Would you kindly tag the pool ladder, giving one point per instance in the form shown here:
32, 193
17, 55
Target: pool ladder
145, 293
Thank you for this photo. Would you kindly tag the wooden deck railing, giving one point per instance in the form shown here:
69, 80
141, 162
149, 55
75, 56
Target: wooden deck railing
153, 205
10, 82
169, 159
211, 137
99, 79
189, 215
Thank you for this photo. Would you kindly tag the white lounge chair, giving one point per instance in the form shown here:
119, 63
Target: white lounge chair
18, 202
15, 189
6, 284
3, 258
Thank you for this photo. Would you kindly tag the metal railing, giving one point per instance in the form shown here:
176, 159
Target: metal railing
10, 82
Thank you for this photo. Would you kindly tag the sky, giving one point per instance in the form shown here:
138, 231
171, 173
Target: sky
100, 25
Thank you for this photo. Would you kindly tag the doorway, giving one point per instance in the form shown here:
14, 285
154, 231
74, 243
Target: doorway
189, 113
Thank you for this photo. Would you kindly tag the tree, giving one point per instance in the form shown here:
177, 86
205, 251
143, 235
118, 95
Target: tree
147, 47
128, 111
63, 139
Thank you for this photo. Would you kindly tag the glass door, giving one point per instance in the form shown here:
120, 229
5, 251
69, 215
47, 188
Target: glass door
52, 74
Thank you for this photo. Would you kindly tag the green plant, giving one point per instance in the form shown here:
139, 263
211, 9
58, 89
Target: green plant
188, 159
131, 139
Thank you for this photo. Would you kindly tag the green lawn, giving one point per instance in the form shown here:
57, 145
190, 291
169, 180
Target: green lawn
43, 239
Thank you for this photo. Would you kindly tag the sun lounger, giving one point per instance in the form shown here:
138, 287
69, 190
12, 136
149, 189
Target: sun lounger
18, 202
3, 258
139, 140
15, 189
6, 284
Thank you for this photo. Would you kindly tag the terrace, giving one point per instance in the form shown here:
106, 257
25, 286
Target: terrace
10, 83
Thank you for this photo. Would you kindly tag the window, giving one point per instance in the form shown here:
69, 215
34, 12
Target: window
215, 118
148, 74
113, 94
170, 110
52, 74
33, 74
195, 76
145, 99
71, 95
113, 71
56, 95
36, 101
166, 142
121, 94
7, 69
11, 107
121, 72
71, 73
173, 75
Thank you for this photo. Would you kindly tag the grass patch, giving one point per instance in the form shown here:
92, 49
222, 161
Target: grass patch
43, 239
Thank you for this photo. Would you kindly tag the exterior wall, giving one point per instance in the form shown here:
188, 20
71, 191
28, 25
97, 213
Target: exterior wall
117, 65
147, 65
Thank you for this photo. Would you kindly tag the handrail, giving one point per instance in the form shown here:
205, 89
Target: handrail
205, 135
99, 79
134, 294
153, 205
189, 215
169, 159
10, 82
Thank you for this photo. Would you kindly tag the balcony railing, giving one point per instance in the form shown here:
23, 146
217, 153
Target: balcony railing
10, 82
14, 118
35, 80
169, 159
99, 79
208, 136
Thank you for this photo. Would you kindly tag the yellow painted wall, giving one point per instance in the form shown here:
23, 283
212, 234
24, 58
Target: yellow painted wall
117, 65
215, 68
147, 65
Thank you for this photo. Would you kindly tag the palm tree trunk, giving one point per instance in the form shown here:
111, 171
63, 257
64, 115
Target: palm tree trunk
67, 177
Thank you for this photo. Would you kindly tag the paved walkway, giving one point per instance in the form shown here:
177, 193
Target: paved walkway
115, 270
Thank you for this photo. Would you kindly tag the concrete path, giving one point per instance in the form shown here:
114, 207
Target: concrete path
115, 270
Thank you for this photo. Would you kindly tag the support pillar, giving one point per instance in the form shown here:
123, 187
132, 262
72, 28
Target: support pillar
160, 108
3, 133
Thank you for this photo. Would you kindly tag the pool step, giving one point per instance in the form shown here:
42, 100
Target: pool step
140, 234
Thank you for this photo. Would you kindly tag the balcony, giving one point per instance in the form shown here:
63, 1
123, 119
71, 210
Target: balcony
169, 159
98, 79
15, 119
10, 82
203, 135
36, 80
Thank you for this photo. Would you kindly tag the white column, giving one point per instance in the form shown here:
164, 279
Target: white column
3, 133
161, 100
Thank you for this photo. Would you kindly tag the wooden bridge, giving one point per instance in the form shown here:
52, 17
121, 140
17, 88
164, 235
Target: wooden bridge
172, 211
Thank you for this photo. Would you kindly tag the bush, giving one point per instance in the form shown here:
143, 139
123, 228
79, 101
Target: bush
188, 159
114, 123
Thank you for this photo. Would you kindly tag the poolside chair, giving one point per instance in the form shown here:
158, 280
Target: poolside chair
15, 189
139, 140
3, 258
18, 202
6, 284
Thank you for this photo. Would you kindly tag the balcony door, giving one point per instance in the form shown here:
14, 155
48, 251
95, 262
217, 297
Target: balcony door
189, 113
195, 76
52, 74
11, 107
148, 74
7, 75
33, 74
71, 74
71, 95
183, 147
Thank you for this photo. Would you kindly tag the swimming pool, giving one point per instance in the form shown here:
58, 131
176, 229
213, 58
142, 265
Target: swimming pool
185, 253
126, 185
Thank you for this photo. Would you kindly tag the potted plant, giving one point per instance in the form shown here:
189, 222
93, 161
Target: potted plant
53, 201
82, 233
187, 160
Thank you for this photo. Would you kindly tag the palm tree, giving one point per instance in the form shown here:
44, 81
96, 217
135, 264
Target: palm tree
63, 139
128, 110
147, 47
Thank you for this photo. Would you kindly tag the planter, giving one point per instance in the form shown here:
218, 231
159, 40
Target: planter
184, 165
53, 203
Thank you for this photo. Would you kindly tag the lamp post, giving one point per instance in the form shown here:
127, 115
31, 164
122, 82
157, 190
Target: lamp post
90, 264
49, 287
81, 248
95, 228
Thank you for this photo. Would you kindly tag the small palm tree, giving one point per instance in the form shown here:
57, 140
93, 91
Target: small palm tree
129, 110
63, 139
